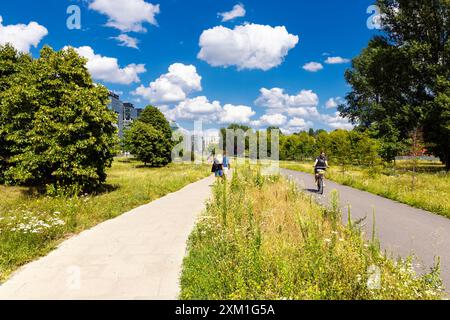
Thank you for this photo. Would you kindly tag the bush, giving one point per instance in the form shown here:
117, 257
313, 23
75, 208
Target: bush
55, 122
148, 145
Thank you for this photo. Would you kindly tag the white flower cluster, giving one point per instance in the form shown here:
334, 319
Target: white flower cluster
30, 223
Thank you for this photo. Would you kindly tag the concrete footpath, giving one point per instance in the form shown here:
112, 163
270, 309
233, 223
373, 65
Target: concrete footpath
137, 255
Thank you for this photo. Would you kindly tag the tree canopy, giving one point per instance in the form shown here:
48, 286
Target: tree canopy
150, 138
400, 82
154, 117
55, 128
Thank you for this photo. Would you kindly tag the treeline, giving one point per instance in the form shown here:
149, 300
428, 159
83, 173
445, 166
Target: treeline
342, 147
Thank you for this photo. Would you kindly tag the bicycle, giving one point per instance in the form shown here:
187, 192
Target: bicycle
320, 178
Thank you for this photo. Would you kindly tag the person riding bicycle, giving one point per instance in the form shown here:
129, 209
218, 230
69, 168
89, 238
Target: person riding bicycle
320, 164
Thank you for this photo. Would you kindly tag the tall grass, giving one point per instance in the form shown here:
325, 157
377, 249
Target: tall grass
431, 189
31, 224
260, 238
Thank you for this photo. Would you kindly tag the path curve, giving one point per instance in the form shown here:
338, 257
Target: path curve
401, 229
137, 255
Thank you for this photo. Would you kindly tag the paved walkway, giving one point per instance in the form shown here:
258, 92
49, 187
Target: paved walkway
135, 256
401, 229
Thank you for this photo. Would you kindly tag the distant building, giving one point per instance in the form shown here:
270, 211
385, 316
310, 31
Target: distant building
211, 139
126, 112
174, 126
139, 111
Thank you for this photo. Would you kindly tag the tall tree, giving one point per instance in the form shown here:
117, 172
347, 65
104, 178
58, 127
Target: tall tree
57, 124
11, 63
397, 80
437, 126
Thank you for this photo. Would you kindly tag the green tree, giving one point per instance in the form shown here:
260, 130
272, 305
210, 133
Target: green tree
416, 150
290, 147
397, 81
299, 146
56, 123
269, 131
148, 144
11, 63
340, 148
437, 126
322, 142
226, 141
154, 117
363, 149
306, 146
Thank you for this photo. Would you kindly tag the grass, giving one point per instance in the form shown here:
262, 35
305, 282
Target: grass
431, 189
261, 238
31, 225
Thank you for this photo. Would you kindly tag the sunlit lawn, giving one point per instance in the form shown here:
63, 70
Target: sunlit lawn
31, 224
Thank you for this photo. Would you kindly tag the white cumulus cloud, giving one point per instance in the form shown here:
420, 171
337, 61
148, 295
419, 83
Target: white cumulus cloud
296, 125
127, 15
271, 120
302, 109
172, 87
200, 108
304, 104
299, 123
335, 121
336, 60
313, 66
238, 11
107, 69
236, 114
22, 36
127, 41
333, 102
306, 112
249, 46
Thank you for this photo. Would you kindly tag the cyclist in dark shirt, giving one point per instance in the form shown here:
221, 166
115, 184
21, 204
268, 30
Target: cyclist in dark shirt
320, 164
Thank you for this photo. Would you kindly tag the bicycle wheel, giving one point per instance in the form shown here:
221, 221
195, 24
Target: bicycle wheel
320, 185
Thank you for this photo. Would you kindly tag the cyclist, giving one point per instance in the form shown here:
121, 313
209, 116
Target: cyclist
320, 164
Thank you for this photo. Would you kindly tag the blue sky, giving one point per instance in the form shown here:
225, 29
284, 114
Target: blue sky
248, 53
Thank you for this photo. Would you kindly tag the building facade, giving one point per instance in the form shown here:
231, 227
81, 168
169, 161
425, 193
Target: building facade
126, 112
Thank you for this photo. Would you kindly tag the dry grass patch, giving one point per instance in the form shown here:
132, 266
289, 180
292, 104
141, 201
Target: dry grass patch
261, 238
